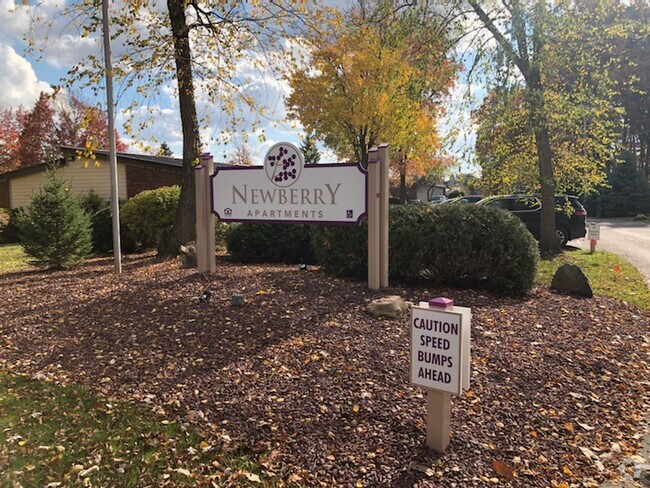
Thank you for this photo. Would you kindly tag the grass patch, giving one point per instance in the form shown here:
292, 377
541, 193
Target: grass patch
51, 435
608, 274
12, 258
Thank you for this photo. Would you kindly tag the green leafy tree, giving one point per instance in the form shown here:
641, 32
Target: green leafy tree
54, 229
309, 149
199, 45
550, 121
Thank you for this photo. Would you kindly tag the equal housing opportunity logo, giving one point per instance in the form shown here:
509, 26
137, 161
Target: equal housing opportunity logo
285, 190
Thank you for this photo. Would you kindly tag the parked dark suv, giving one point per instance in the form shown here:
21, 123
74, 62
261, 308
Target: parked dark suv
570, 215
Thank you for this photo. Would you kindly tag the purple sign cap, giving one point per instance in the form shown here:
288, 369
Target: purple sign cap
441, 302
206, 155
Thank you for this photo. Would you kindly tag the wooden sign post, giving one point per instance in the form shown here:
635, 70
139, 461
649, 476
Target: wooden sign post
593, 234
205, 239
285, 190
440, 357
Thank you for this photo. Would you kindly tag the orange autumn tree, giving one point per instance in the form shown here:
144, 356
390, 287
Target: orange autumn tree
363, 88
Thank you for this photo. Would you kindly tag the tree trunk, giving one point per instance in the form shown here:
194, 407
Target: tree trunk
548, 242
402, 180
185, 222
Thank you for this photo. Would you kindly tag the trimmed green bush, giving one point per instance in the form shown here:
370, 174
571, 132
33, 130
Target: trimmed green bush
149, 212
269, 243
54, 229
220, 233
342, 250
479, 246
101, 219
459, 245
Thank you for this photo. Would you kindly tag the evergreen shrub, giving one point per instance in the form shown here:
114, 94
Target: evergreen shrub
477, 246
458, 245
627, 193
101, 219
269, 243
342, 250
54, 229
149, 212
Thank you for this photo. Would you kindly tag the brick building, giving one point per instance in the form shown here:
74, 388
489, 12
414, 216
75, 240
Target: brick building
135, 173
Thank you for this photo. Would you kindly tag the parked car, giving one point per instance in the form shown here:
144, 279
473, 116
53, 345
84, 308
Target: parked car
471, 198
464, 199
570, 215
436, 199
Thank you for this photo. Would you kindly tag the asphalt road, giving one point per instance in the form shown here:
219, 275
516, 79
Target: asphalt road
625, 237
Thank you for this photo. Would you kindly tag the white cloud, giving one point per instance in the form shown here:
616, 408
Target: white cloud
18, 82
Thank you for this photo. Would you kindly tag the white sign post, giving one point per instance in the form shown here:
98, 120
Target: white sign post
593, 234
440, 358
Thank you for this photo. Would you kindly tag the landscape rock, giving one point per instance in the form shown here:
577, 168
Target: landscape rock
570, 280
188, 255
642, 473
390, 306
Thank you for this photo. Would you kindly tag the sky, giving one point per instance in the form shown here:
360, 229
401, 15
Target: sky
23, 76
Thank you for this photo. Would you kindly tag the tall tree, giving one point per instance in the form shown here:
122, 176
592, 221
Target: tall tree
38, 141
81, 125
378, 79
241, 156
358, 91
309, 149
160, 50
164, 150
631, 43
11, 122
559, 87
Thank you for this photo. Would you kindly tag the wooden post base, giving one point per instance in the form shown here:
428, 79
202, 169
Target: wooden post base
438, 420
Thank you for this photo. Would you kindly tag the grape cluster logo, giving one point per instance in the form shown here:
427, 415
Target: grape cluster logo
283, 164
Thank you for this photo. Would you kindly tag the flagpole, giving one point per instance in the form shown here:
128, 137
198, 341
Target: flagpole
112, 151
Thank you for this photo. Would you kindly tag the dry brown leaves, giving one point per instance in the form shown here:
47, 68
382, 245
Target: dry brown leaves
305, 380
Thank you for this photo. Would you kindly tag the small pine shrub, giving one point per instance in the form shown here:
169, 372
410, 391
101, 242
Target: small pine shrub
149, 212
269, 243
54, 229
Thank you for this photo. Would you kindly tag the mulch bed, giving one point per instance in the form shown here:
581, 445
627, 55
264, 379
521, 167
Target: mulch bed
304, 378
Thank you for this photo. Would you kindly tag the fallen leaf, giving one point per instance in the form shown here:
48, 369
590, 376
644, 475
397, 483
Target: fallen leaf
502, 469
253, 477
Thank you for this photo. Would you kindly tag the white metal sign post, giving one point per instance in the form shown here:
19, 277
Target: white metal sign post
440, 358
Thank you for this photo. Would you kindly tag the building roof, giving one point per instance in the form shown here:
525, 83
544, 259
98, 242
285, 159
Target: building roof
70, 154
124, 157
